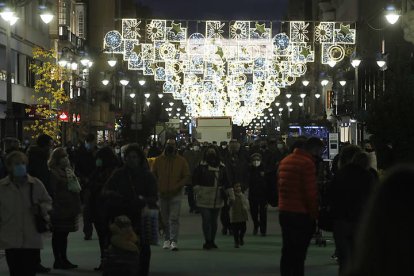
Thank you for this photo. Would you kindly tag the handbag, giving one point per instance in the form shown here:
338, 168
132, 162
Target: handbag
41, 223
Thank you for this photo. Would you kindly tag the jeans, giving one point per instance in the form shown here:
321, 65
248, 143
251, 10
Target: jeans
170, 215
258, 210
344, 236
22, 261
209, 218
297, 232
239, 229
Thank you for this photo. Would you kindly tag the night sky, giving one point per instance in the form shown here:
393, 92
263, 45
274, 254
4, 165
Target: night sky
217, 9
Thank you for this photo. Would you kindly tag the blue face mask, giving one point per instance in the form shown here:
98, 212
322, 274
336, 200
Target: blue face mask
19, 170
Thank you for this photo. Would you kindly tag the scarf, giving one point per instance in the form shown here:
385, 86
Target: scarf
73, 183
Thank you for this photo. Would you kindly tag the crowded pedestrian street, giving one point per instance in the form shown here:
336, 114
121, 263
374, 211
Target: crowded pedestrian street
259, 256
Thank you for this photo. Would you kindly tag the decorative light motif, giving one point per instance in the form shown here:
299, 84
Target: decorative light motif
236, 72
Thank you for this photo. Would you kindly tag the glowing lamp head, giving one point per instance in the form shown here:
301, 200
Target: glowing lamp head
147, 95
342, 82
303, 95
317, 95
105, 82
46, 17
141, 82
392, 14
356, 62
324, 82
124, 82
305, 83
132, 95
112, 61
332, 63
288, 95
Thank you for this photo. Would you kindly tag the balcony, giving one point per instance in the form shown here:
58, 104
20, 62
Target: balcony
67, 38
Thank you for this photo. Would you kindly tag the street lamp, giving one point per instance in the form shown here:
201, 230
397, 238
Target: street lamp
141, 82
324, 82
342, 82
45, 12
288, 95
392, 14
147, 95
332, 63
381, 60
305, 83
112, 60
160, 95
124, 81
302, 96
132, 95
317, 95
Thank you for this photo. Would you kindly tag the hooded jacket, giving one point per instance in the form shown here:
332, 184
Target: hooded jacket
172, 173
298, 191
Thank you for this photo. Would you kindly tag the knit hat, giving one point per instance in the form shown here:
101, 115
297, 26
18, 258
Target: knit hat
256, 156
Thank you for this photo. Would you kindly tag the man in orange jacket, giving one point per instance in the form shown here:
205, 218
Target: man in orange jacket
172, 173
298, 205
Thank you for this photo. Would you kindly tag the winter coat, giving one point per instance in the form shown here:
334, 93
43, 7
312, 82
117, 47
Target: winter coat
96, 202
85, 165
193, 159
37, 166
172, 173
210, 185
17, 223
298, 191
349, 192
236, 167
257, 183
238, 209
127, 192
66, 204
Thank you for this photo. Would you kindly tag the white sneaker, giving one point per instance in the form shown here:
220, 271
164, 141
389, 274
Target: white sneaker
174, 246
167, 245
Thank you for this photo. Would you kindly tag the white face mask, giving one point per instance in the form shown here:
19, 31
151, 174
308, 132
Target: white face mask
196, 148
256, 163
280, 146
223, 147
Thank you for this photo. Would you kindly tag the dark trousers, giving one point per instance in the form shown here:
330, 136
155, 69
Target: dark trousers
144, 259
225, 217
87, 221
297, 232
102, 230
209, 218
22, 261
191, 199
239, 229
60, 245
344, 236
258, 210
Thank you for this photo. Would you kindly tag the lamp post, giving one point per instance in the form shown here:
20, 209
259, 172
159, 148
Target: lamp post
8, 14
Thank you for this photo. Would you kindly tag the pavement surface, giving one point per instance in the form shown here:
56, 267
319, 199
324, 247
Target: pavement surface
259, 256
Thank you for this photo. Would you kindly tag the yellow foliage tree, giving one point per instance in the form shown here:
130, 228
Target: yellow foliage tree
49, 93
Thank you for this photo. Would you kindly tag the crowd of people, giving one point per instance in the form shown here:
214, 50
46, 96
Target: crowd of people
109, 186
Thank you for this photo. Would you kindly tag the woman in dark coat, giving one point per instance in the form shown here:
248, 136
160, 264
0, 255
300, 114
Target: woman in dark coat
349, 192
65, 189
130, 189
258, 194
106, 163
210, 183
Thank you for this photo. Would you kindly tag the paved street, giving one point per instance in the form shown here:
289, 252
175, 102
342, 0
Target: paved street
259, 256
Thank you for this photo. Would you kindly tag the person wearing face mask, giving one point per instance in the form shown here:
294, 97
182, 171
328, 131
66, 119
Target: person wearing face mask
371, 153
130, 189
236, 170
106, 163
38, 156
223, 150
172, 173
210, 183
193, 156
65, 191
84, 166
257, 194
19, 237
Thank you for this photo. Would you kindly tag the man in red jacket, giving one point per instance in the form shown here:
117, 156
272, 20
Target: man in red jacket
298, 205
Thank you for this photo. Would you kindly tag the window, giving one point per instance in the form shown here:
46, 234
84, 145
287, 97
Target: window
63, 12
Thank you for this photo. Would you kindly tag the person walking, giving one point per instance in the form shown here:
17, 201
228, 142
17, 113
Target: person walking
65, 191
238, 215
258, 194
210, 183
84, 167
130, 189
298, 205
349, 193
236, 168
172, 173
193, 156
106, 163
38, 155
18, 233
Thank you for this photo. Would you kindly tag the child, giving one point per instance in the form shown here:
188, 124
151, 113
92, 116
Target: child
238, 215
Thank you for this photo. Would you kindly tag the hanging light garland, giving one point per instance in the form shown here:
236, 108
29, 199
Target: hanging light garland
231, 69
